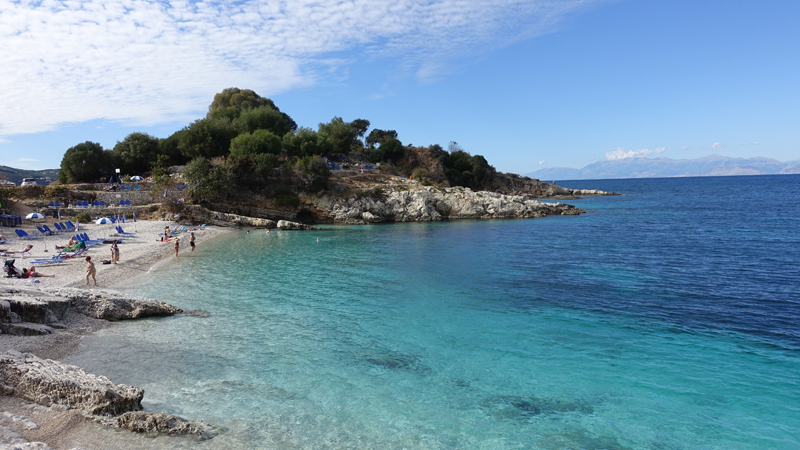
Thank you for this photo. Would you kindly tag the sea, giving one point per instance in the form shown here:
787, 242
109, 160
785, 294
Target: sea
665, 318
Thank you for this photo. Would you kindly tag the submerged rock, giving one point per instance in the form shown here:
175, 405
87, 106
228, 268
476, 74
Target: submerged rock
158, 423
49, 382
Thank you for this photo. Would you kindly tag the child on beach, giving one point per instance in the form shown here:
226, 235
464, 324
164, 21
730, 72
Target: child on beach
90, 270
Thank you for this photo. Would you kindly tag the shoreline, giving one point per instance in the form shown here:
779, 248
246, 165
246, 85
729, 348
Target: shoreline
60, 427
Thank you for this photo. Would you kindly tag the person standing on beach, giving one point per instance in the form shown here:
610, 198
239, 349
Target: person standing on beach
114, 252
191, 241
90, 270
177, 244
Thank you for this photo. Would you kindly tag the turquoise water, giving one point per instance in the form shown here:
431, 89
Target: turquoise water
662, 319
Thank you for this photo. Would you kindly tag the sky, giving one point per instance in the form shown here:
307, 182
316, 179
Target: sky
528, 84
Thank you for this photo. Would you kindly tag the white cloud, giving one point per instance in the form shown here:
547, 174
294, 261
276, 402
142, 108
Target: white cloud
542, 162
755, 143
715, 145
621, 153
27, 160
684, 148
146, 62
660, 150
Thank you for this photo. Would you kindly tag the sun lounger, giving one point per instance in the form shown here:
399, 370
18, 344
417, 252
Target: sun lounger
61, 256
85, 238
121, 231
46, 228
23, 235
58, 204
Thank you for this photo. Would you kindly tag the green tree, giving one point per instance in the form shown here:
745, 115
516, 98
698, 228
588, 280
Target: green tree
264, 118
390, 150
86, 162
209, 137
462, 169
136, 153
255, 143
231, 101
170, 147
206, 181
378, 136
336, 136
303, 142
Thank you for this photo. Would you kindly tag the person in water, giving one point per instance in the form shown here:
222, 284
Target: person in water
191, 241
90, 270
177, 245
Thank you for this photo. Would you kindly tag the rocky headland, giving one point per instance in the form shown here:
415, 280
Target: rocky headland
423, 204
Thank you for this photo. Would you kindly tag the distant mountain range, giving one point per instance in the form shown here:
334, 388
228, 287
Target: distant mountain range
707, 166
16, 175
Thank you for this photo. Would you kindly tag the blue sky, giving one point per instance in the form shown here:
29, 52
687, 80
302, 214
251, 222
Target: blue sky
528, 84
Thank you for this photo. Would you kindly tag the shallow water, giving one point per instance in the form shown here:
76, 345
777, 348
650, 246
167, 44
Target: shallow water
665, 318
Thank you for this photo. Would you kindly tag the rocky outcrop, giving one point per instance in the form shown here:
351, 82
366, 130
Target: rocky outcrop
157, 423
49, 382
513, 184
431, 204
36, 312
287, 225
199, 214
113, 306
30, 312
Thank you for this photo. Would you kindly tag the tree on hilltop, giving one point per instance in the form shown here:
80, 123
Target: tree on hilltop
134, 154
233, 102
85, 162
209, 137
379, 137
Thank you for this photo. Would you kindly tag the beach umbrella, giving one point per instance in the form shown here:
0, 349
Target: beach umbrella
35, 216
102, 221
137, 178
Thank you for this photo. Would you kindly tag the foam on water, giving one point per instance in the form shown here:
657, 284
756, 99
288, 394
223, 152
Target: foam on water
660, 320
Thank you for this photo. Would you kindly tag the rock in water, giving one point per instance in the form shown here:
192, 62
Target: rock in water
112, 306
153, 423
48, 382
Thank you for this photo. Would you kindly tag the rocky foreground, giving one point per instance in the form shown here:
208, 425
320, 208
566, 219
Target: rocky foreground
432, 204
63, 387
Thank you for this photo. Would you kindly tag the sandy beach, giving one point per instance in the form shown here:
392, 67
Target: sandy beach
139, 252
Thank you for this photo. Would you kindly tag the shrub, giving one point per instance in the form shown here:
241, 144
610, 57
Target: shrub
376, 193
153, 208
83, 217
287, 199
129, 215
56, 191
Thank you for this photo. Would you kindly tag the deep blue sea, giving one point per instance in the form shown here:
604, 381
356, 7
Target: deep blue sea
665, 318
